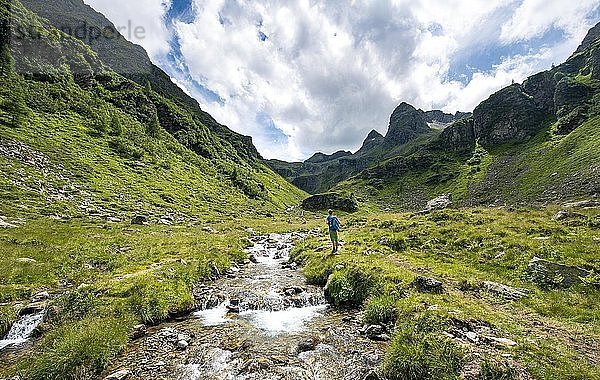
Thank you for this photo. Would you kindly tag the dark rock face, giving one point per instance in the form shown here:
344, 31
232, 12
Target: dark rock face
459, 136
326, 201
406, 123
541, 86
442, 117
374, 139
569, 95
508, 115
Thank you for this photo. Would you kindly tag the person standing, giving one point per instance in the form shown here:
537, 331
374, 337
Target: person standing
334, 227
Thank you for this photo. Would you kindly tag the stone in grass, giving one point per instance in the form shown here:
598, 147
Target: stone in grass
119, 375
505, 291
139, 220
428, 285
440, 203
548, 274
564, 214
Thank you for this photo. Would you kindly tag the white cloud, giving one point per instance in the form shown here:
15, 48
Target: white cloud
534, 17
329, 72
145, 15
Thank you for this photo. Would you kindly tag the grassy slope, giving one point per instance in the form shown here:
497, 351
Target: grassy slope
543, 169
557, 331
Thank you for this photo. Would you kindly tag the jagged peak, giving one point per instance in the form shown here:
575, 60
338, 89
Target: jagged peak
373, 135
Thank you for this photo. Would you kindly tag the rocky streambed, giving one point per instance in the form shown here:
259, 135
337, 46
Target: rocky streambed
260, 321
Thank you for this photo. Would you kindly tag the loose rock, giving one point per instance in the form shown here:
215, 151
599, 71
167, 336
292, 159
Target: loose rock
546, 273
139, 220
505, 291
428, 285
119, 375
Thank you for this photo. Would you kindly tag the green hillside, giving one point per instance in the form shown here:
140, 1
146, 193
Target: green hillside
75, 132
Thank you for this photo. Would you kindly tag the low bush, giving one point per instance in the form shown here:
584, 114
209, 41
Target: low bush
350, 287
79, 350
380, 310
419, 351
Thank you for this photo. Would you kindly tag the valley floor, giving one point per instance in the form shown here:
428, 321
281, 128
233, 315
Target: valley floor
104, 278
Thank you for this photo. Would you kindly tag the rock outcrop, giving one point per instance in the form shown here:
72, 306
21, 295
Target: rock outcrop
509, 115
459, 136
333, 201
406, 123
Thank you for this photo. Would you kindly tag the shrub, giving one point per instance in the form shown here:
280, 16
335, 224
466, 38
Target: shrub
381, 310
419, 351
153, 301
125, 150
349, 287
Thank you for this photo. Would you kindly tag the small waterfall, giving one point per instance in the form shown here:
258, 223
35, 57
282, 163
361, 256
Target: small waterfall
21, 330
265, 297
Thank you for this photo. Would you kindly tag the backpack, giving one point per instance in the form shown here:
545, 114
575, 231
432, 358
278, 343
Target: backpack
335, 223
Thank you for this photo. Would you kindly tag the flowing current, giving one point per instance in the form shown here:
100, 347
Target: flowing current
259, 321
21, 330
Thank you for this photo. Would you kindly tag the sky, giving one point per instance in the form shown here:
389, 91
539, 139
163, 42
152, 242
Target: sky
306, 76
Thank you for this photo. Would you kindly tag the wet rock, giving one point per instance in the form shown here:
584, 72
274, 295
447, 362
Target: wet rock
564, 214
428, 285
375, 332
34, 307
119, 375
372, 376
307, 345
548, 274
505, 291
138, 331
293, 290
233, 309
182, 344
252, 259
440, 203
41, 296
139, 220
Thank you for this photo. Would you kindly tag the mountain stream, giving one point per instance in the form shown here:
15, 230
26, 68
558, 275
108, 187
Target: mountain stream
259, 321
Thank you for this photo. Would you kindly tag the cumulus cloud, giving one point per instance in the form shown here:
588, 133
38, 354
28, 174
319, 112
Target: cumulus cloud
304, 76
145, 14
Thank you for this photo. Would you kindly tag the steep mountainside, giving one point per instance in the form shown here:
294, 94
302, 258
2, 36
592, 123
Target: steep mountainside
532, 142
131, 61
78, 139
408, 127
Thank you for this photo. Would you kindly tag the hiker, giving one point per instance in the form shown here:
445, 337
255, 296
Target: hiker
334, 227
